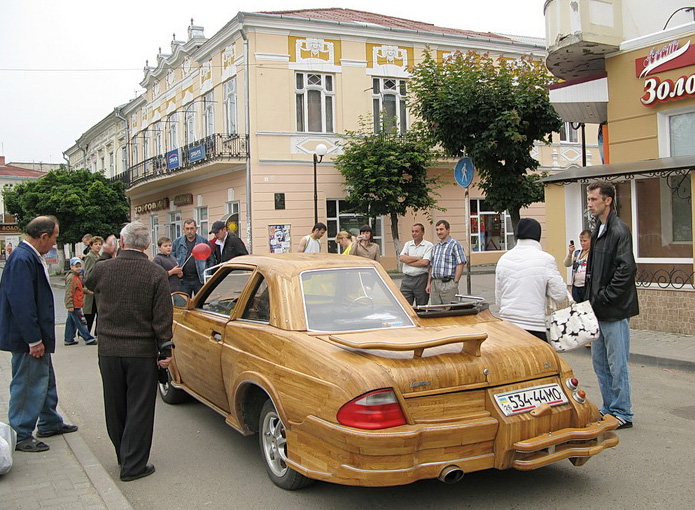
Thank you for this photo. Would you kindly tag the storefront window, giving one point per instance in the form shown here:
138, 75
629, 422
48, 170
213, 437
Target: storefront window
340, 218
490, 231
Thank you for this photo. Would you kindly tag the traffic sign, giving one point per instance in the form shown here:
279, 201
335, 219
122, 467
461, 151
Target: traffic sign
464, 171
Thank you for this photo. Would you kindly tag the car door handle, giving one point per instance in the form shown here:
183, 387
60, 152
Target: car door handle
217, 337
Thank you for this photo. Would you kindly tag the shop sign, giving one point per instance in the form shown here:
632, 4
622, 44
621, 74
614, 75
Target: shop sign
666, 58
185, 199
9, 228
173, 159
196, 153
156, 205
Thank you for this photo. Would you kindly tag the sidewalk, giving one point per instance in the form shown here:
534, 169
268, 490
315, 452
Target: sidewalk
68, 476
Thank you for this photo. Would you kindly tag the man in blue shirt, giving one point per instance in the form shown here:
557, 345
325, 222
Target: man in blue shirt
27, 330
446, 266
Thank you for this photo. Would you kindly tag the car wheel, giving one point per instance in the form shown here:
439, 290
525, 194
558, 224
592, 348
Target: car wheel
273, 442
169, 394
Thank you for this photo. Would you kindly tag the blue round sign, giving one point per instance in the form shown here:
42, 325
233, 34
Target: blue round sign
463, 172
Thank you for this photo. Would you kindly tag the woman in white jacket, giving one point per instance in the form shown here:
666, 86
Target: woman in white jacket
525, 275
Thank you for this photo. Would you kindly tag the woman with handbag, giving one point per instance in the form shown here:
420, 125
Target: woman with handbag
577, 259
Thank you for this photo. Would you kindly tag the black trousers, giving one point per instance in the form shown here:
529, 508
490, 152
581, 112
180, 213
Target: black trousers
130, 390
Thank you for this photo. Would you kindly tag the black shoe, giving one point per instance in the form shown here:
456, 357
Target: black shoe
624, 424
74, 342
149, 469
64, 429
91, 341
31, 445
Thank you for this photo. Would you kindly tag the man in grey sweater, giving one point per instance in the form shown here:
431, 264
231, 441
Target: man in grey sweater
135, 319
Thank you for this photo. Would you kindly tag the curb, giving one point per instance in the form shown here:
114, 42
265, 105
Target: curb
105, 486
660, 362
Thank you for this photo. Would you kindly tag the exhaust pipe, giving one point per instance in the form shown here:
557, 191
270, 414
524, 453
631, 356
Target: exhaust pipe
450, 474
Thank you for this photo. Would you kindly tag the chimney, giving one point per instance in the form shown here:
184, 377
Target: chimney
2, 160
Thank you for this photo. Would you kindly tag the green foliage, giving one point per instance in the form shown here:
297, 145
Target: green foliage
492, 111
386, 174
81, 200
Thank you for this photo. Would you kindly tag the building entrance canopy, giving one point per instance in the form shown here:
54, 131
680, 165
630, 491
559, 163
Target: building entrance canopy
614, 171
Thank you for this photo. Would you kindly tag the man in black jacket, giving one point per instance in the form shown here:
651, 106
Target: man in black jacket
612, 292
226, 245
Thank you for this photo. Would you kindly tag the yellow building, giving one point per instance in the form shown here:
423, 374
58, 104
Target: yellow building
228, 127
632, 67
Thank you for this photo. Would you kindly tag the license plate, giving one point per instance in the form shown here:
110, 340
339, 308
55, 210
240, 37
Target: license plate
523, 401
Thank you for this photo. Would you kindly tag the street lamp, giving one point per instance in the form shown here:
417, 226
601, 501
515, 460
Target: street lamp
319, 153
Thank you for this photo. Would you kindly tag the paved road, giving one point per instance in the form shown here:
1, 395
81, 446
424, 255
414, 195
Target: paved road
202, 463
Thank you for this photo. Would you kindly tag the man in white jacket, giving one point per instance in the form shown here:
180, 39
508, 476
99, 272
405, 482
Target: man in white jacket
525, 275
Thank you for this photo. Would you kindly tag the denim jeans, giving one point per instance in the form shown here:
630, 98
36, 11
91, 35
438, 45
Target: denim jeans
191, 287
609, 355
33, 395
74, 324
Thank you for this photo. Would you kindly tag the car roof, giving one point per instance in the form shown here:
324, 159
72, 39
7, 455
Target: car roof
295, 263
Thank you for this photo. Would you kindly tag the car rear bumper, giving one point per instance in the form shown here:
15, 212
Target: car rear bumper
330, 452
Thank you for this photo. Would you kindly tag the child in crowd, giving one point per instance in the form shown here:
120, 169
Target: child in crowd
165, 259
74, 301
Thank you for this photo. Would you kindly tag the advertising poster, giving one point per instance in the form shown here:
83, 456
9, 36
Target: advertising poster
8, 245
279, 238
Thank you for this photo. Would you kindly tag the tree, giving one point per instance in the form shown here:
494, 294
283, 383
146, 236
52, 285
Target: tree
81, 200
492, 111
386, 174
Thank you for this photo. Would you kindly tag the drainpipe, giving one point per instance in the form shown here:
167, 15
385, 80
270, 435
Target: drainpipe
67, 160
247, 120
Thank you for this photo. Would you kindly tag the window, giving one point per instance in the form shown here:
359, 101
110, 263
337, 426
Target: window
112, 162
490, 230
388, 98
173, 131
135, 149
258, 307
154, 232
314, 96
124, 158
230, 110
174, 224
223, 297
339, 217
231, 207
102, 160
209, 114
189, 121
145, 144
158, 143
568, 133
201, 218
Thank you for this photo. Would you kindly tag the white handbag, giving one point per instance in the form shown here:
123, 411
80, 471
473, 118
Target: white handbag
571, 327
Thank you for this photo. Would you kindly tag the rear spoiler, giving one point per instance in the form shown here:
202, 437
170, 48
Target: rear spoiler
466, 305
471, 344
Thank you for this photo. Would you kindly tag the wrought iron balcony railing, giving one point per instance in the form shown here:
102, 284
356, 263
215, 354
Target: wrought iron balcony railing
217, 147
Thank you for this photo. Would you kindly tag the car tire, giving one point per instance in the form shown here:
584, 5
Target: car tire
169, 394
273, 443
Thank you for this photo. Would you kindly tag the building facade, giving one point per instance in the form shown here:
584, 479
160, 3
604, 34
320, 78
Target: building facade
640, 83
228, 127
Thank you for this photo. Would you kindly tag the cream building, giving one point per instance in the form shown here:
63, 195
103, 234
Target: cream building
631, 65
228, 127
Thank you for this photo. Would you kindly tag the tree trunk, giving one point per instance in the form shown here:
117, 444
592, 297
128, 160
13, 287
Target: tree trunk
395, 236
515, 216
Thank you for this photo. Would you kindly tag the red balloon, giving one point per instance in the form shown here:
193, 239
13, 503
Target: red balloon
201, 251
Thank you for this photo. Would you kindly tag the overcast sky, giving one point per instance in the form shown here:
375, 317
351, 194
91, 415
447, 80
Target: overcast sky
65, 64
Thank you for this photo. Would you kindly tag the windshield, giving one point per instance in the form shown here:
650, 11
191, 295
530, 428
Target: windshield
350, 299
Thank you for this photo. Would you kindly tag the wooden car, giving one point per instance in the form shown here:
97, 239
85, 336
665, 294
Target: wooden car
344, 382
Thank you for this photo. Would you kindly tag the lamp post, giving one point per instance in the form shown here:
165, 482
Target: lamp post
319, 153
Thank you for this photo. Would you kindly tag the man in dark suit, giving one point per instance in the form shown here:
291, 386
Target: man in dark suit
226, 245
135, 319
27, 330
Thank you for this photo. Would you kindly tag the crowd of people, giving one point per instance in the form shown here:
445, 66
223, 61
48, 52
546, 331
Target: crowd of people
134, 313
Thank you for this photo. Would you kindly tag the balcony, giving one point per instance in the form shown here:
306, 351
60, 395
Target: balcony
579, 34
205, 156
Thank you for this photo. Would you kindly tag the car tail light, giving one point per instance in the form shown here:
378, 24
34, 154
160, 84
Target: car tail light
572, 383
375, 410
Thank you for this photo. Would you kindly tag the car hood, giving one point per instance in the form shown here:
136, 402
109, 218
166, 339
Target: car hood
449, 359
